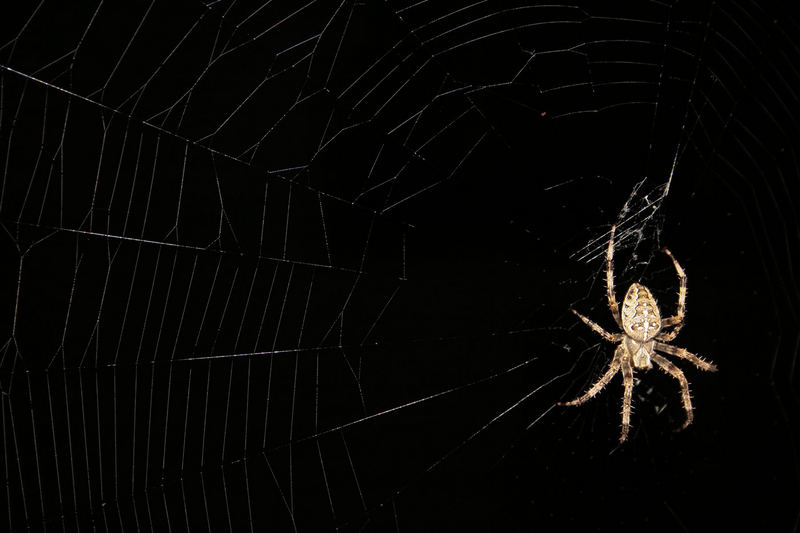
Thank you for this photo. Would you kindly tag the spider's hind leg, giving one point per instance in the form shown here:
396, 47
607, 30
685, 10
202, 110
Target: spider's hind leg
612, 297
676, 320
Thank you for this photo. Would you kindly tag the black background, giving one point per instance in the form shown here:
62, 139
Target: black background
416, 194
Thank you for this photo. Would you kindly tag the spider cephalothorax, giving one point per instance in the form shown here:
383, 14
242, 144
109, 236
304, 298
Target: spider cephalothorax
641, 337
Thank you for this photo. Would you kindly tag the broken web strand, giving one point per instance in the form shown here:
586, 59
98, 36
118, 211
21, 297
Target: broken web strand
641, 210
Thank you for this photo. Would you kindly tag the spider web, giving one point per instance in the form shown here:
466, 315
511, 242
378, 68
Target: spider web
308, 266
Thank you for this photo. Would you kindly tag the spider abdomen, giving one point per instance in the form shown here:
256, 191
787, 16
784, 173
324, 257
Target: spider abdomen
641, 319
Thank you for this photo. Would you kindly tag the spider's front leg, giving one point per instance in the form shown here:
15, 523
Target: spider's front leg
627, 381
613, 368
673, 370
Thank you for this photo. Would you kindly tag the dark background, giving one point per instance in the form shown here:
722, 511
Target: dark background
285, 266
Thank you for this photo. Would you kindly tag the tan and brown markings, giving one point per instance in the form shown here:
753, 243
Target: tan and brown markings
644, 333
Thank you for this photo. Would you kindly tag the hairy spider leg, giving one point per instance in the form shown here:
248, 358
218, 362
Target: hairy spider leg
610, 337
683, 353
627, 380
670, 368
612, 297
613, 368
676, 320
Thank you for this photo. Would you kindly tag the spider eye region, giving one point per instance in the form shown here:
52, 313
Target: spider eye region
641, 319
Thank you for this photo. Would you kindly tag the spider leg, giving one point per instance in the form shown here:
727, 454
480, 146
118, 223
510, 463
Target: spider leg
610, 337
627, 381
696, 360
612, 298
613, 368
676, 320
670, 368
667, 336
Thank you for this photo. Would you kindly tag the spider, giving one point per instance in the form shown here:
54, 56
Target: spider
643, 334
